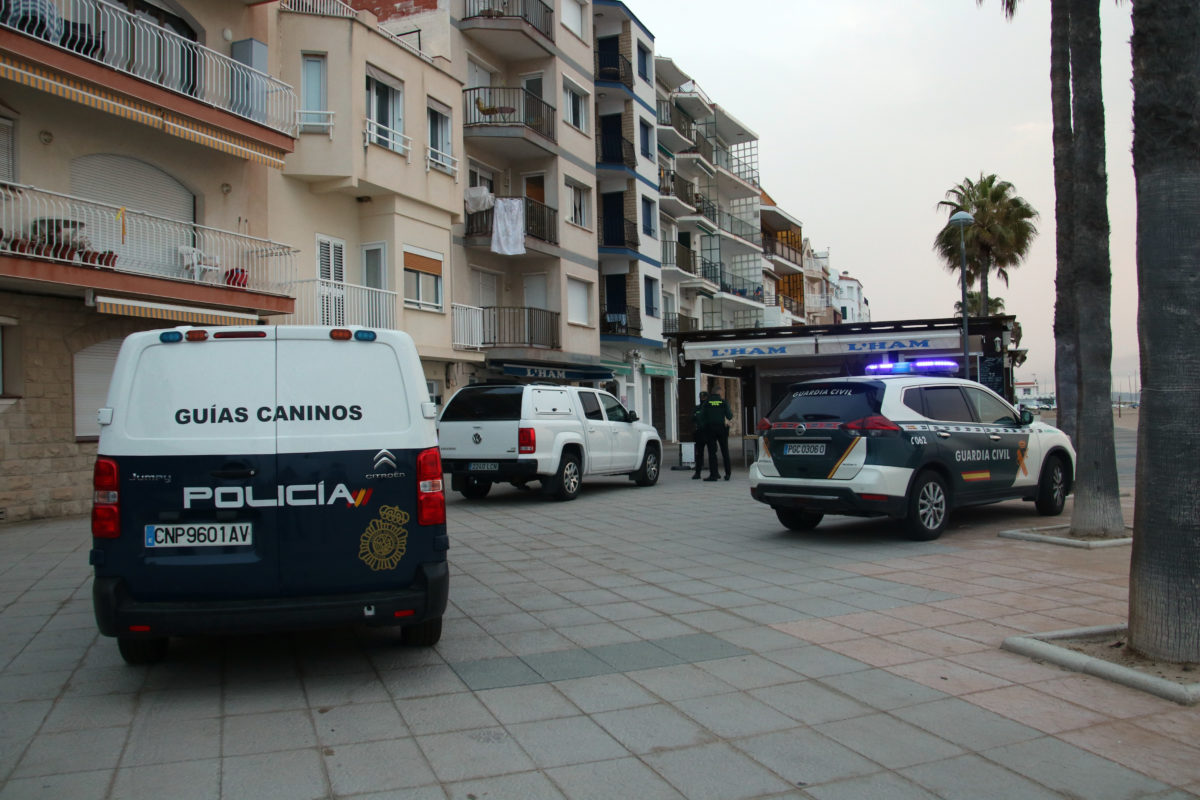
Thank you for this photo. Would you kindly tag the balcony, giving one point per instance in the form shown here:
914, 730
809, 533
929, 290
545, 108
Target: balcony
620, 321
677, 195
675, 131
131, 44
516, 30
698, 152
741, 228
619, 232
541, 222
676, 255
512, 122
321, 302
741, 287
743, 169
736, 319
520, 326
775, 247
48, 226
615, 150
674, 322
467, 327
614, 67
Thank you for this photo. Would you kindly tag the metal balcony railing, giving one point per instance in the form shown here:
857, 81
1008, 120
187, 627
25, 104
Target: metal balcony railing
535, 12
773, 246
791, 304
321, 302
315, 121
739, 227
620, 321
700, 146
35, 223
615, 149
614, 67
740, 167
499, 105
671, 184
816, 303
382, 135
323, 8
441, 161
740, 286
676, 255
520, 326
618, 232
669, 114
674, 322
541, 221
710, 270
136, 45
467, 325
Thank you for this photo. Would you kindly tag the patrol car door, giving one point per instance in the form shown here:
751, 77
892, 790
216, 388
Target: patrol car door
1013, 450
625, 438
598, 432
963, 442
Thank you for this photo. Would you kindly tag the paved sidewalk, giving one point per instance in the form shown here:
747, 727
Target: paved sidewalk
659, 642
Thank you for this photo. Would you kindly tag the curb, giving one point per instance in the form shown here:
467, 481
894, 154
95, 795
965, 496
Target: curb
1040, 646
1029, 535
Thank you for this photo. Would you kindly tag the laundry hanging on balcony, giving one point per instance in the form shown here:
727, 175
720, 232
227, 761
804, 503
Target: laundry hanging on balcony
478, 198
508, 226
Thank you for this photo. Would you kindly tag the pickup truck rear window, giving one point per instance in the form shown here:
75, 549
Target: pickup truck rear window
484, 403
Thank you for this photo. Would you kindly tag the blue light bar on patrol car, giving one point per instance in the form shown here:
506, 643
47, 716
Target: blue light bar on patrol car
910, 367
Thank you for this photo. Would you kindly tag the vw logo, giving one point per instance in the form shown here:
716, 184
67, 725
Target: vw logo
476, 438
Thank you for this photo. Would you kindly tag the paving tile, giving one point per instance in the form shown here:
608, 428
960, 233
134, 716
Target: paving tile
444, 712
876, 651
566, 664
815, 662
647, 729
715, 772
180, 780
949, 677
72, 751
470, 755
23, 718
513, 704
750, 671
566, 740
679, 682
523, 785
360, 722
74, 785
986, 780
889, 741
336, 690
631, 656
604, 693
1036, 709
820, 631
159, 739
810, 702
606, 780
1173, 762
966, 724
881, 690
1010, 666
1114, 699
1173, 722
294, 775
936, 642
804, 757
1072, 771
246, 734
257, 698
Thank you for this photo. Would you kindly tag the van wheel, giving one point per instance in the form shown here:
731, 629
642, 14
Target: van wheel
142, 651
565, 483
423, 634
475, 488
928, 508
799, 519
647, 474
1052, 488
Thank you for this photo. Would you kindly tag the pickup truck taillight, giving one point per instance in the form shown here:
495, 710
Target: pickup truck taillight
106, 508
431, 497
526, 440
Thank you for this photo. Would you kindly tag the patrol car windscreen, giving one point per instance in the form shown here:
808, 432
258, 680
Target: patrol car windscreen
484, 404
814, 402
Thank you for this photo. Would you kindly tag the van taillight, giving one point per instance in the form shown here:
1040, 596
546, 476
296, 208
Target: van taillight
106, 509
526, 440
874, 425
431, 498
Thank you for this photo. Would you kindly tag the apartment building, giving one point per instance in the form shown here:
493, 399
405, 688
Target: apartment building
134, 143
783, 268
851, 302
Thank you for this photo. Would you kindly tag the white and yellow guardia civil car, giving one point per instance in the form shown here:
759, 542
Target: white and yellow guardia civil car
911, 447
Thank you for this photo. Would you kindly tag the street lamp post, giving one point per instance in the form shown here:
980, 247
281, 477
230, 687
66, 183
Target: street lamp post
961, 220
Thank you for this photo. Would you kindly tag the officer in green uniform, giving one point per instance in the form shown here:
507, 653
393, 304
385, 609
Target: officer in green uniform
714, 413
699, 436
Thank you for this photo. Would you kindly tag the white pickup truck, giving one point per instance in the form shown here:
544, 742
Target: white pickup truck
556, 435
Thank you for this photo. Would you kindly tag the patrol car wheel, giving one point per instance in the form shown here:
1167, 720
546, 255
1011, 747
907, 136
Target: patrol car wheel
423, 634
647, 474
1052, 487
799, 520
928, 508
567, 479
475, 489
142, 651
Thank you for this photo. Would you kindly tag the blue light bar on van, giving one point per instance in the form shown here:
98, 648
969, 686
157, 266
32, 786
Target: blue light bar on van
910, 367
170, 336
364, 336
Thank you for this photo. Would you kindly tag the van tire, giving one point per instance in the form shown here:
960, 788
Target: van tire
423, 634
565, 483
475, 488
142, 651
647, 473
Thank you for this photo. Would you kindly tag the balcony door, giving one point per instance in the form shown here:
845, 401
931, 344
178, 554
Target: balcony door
535, 291
612, 212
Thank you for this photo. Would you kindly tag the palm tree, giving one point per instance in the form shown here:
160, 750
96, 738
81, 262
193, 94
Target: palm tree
998, 239
1164, 594
995, 305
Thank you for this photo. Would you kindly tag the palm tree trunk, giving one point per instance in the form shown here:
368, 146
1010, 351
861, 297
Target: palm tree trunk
1164, 594
1066, 315
983, 289
1097, 496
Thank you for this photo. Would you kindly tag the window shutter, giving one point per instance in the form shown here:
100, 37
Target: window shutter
93, 368
7, 154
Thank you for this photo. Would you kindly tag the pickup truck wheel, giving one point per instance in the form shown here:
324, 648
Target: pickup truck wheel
647, 474
565, 483
475, 488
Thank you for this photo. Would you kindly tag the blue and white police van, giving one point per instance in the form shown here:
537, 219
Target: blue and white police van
266, 478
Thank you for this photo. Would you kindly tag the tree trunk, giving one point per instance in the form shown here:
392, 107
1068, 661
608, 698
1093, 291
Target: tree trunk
1097, 495
983, 290
1164, 574
1066, 315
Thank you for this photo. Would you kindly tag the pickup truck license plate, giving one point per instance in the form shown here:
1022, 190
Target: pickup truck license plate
199, 534
804, 449
483, 466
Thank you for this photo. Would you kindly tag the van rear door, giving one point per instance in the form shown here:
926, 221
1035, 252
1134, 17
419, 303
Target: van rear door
349, 430
196, 465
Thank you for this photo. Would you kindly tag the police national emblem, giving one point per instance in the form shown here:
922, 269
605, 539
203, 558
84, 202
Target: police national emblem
383, 543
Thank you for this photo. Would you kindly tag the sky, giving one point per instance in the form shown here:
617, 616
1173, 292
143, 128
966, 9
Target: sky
868, 111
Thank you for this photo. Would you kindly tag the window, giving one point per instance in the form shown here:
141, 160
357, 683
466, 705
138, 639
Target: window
481, 176
573, 16
648, 216
990, 409
650, 290
422, 279
646, 137
441, 155
313, 109
643, 62
331, 275
378, 305
579, 295
579, 197
613, 408
385, 111
591, 406
946, 403
373, 265
575, 103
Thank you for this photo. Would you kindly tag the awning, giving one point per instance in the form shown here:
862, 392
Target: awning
895, 342
748, 348
129, 307
561, 372
655, 369
51, 82
618, 367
